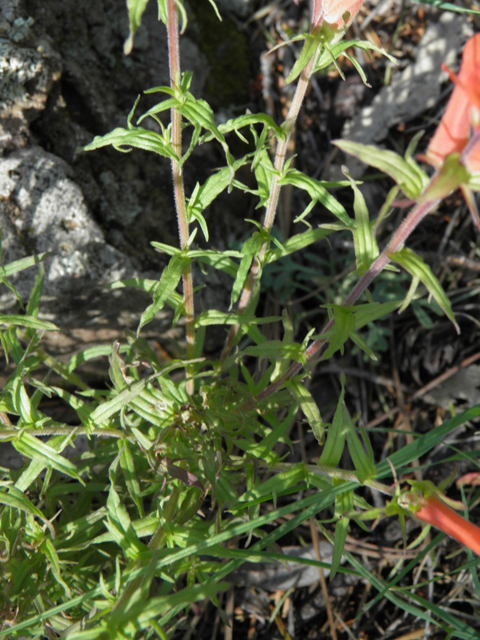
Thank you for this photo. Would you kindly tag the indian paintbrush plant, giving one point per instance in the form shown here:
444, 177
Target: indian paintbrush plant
172, 495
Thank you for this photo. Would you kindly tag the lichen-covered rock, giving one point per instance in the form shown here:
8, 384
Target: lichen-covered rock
27, 74
43, 209
64, 80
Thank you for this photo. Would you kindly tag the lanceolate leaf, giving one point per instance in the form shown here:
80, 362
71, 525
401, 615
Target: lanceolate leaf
250, 249
362, 460
310, 48
19, 265
37, 450
344, 326
31, 322
365, 313
366, 248
124, 139
318, 193
167, 285
198, 112
214, 317
276, 349
135, 12
296, 243
400, 170
325, 58
251, 119
206, 193
344, 503
335, 444
414, 264
309, 408
18, 500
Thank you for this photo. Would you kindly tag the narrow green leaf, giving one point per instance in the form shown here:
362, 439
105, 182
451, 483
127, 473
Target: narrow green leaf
124, 139
335, 444
31, 322
50, 552
170, 278
18, 500
365, 313
96, 352
214, 317
22, 264
251, 248
310, 48
341, 331
127, 464
249, 119
135, 12
117, 368
274, 349
263, 174
35, 449
318, 193
213, 187
296, 243
309, 408
108, 409
344, 503
33, 306
417, 268
366, 248
362, 461
411, 180
325, 58
449, 6
144, 284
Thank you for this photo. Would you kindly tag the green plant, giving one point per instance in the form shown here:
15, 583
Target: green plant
168, 499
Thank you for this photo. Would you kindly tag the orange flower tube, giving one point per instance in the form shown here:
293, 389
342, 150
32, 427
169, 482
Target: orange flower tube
435, 512
460, 124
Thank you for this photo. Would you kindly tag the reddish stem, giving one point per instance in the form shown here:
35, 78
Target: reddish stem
399, 238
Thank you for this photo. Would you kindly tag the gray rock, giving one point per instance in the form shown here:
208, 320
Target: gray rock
43, 209
412, 91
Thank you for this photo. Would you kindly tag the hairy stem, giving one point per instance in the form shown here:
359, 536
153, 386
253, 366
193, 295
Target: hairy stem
11, 434
400, 236
179, 190
272, 204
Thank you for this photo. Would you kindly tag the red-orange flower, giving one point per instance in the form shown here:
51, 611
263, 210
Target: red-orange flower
459, 129
455, 147
335, 12
435, 512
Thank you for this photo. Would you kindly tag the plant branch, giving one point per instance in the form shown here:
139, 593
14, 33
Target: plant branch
272, 204
178, 185
399, 238
11, 434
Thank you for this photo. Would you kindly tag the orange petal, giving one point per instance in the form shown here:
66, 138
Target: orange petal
463, 111
332, 11
438, 514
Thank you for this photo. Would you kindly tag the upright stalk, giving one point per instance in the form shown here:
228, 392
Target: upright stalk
272, 204
400, 236
178, 185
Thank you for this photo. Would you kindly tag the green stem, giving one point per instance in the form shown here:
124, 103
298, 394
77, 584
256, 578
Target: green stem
10, 434
272, 204
179, 189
